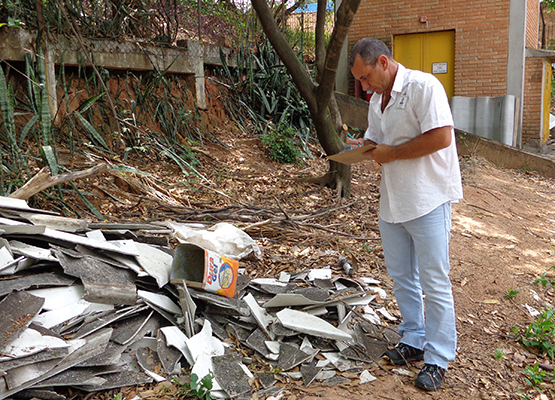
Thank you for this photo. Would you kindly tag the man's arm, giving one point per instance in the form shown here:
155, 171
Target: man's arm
427, 143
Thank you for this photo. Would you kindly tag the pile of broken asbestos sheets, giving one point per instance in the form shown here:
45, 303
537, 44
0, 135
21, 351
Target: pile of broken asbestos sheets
91, 306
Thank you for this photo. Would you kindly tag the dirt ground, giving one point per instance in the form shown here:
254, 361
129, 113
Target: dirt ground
502, 240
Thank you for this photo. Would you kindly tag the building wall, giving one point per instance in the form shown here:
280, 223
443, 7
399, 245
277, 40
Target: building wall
532, 25
481, 41
532, 118
481, 35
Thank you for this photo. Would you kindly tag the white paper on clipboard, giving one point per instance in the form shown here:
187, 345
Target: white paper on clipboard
351, 156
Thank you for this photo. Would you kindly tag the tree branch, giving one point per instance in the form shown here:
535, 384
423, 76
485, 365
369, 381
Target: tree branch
42, 180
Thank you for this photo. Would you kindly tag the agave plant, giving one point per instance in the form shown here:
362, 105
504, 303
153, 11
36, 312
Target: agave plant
262, 93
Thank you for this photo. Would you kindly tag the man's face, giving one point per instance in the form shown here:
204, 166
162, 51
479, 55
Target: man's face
371, 78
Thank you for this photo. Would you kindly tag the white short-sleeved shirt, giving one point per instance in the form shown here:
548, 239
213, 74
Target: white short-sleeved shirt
412, 188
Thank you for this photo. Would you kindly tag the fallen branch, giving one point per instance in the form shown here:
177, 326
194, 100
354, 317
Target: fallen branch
42, 180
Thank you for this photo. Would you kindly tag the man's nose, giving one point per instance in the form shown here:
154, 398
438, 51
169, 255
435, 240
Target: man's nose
365, 85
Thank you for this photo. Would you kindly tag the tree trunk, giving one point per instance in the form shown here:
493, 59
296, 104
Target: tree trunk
317, 97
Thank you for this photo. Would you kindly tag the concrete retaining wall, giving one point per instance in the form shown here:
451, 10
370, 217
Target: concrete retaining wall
189, 58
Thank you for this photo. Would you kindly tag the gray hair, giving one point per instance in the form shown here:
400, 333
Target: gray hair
369, 49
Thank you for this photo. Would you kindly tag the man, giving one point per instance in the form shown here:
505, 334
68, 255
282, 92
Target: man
410, 122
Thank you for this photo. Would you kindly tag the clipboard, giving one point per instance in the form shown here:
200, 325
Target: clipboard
351, 156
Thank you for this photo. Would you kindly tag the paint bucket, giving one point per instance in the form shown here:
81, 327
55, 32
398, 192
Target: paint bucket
204, 269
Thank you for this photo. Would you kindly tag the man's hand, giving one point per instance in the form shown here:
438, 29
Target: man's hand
423, 145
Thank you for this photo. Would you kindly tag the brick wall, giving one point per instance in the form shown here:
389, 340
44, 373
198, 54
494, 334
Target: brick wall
481, 38
532, 25
532, 112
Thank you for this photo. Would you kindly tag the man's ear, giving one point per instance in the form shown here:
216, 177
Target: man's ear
383, 62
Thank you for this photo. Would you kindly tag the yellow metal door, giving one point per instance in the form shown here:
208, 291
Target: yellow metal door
546, 100
432, 52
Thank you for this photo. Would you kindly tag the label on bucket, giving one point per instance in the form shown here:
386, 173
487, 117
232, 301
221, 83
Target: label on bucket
220, 274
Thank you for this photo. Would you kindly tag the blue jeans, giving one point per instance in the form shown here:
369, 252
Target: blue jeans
417, 259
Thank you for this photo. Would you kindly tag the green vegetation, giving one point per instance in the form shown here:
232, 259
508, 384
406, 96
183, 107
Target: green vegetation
545, 281
281, 145
499, 354
198, 388
540, 334
535, 376
263, 96
511, 294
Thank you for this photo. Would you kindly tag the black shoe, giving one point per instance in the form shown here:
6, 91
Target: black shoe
402, 354
430, 377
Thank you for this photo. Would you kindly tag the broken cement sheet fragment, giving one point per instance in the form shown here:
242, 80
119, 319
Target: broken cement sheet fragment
82, 240
340, 363
222, 238
71, 377
10, 203
231, 374
217, 325
386, 314
96, 235
290, 356
309, 372
272, 345
237, 332
109, 357
83, 349
37, 253
324, 375
336, 380
149, 361
36, 280
21, 229
64, 224
284, 277
42, 394
204, 343
382, 293
127, 329
310, 324
18, 376
60, 314
188, 308
116, 260
96, 323
116, 380
365, 377
17, 310
403, 372
30, 342
169, 356
371, 315
533, 312
58, 297
103, 283
176, 338
203, 366
155, 262
7, 262
235, 306
45, 355
262, 317
321, 273
256, 341
374, 347
290, 300
369, 281
160, 301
